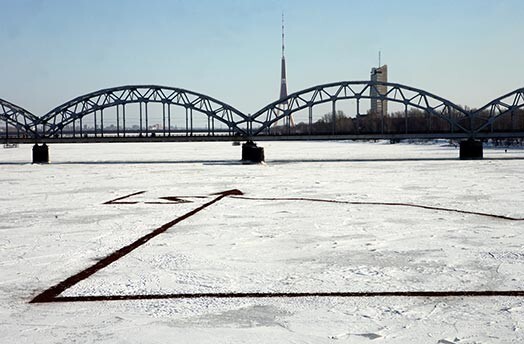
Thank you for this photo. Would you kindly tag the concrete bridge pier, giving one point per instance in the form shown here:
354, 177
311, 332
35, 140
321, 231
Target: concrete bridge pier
471, 150
251, 153
40, 154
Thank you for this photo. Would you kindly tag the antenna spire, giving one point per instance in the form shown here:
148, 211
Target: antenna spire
379, 58
283, 82
283, 46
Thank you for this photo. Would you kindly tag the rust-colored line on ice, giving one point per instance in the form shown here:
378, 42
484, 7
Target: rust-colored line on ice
116, 200
51, 293
392, 204
427, 294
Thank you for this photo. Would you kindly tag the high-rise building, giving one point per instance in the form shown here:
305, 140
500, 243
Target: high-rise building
379, 74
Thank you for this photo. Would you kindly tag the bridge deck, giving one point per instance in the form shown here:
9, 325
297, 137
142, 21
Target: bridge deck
226, 138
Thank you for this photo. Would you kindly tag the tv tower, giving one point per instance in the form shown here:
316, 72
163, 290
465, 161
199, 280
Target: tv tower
283, 80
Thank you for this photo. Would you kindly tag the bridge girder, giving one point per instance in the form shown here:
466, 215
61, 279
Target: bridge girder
358, 90
18, 117
77, 108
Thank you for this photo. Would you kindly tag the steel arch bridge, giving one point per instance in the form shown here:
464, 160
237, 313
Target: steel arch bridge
454, 115
486, 117
56, 120
14, 116
501, 118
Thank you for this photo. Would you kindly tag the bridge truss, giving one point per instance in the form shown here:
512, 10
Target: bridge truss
69, 119
106, 115
432, 106
503, 113
18, 122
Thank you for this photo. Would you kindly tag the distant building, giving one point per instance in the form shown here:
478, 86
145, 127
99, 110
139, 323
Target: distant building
379, 74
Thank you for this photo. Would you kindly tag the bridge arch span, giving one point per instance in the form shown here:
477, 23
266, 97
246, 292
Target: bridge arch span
67, 114
454, 115
505, 112
14, 116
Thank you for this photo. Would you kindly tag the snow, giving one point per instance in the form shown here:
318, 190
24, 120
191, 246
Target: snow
54, 224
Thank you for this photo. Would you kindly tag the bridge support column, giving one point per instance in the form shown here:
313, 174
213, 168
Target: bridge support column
471, 150
40, 154
251, 153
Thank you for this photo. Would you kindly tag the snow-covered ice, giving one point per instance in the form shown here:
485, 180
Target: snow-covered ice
54, 224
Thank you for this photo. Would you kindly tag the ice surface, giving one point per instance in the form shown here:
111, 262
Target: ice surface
54, 224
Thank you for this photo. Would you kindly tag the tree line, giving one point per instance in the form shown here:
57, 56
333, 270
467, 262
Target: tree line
412, 121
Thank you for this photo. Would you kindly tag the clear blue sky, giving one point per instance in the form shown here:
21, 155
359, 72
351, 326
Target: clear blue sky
469, 51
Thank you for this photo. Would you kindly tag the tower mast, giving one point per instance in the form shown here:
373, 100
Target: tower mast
283, 79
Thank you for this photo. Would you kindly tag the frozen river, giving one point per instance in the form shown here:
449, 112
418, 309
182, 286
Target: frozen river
318, 217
